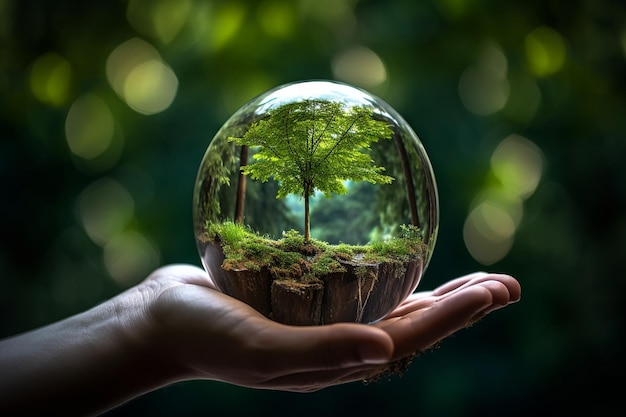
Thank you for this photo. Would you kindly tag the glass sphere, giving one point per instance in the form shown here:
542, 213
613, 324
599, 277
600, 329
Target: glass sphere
316, 203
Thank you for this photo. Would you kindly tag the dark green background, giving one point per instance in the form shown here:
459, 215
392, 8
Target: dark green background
558, 351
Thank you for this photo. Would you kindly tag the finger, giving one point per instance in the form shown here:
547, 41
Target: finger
458, 282
312, 381
488, 310
512, 285
411, 305
501, 287
420, 330
500, 296
499, 292
342, 344
286, 350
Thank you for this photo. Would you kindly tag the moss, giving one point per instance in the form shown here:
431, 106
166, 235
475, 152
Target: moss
291, 258
325, 263
363, 272
292, 240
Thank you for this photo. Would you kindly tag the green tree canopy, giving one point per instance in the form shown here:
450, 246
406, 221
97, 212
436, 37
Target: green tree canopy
315, 145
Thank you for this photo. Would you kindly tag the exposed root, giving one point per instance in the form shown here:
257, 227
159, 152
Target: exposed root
361, 275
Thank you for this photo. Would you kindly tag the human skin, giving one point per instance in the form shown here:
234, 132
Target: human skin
176, 326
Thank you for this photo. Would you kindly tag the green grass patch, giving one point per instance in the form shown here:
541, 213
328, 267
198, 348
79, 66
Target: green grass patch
290, 257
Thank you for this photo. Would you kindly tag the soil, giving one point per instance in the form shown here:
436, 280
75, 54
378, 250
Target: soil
397, 368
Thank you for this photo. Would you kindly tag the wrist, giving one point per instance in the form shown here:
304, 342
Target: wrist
85, 364
143, 340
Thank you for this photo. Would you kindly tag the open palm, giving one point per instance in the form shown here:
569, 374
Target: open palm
214, 336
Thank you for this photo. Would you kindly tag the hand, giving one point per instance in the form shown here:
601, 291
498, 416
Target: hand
206, 334
176, 326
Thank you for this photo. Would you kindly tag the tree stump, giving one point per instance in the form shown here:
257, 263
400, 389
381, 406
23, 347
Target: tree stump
297, 303
251, 287
363, 292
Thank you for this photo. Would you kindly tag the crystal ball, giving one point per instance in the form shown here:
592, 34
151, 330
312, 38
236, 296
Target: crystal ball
316, 203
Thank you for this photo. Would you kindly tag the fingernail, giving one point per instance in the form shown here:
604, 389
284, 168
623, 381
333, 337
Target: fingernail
373, 354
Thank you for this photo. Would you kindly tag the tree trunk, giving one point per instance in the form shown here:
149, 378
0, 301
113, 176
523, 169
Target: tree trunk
241, 186
307, 214
307, 221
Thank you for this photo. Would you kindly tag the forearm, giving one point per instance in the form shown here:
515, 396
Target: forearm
83, 365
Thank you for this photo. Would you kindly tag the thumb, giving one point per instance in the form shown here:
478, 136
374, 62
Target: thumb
333, 346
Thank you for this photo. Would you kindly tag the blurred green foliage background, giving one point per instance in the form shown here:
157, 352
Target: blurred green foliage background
107, 108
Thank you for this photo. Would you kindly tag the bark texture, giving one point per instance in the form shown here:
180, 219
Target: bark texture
363, 293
